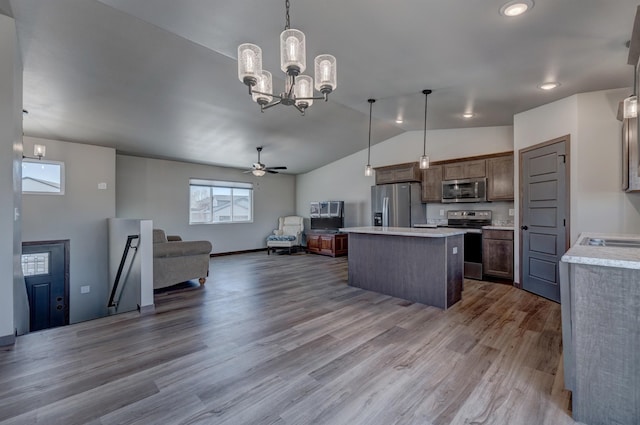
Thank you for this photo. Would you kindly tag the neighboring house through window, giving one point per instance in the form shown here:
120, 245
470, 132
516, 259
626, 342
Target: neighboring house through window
216, 201
42, 177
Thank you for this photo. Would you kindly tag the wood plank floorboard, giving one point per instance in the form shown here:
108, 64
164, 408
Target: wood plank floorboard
283, 340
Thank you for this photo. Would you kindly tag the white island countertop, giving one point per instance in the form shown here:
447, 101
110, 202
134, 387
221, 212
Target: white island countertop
440, 232
497, 228
607, 256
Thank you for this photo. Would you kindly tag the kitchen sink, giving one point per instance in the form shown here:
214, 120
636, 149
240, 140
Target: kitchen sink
615, 243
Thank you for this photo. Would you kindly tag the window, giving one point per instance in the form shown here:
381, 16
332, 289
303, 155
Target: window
42, 177
35, 264
213, 201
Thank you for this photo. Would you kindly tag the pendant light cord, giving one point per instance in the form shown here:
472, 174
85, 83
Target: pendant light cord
426, 95
370, 114
287, 23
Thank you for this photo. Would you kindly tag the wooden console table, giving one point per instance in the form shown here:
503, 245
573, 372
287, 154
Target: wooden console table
332, 244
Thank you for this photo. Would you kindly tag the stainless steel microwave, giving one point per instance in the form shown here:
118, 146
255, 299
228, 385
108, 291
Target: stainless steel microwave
464, 190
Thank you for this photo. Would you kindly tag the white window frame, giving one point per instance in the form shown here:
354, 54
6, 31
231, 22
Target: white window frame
49, 162
224, 185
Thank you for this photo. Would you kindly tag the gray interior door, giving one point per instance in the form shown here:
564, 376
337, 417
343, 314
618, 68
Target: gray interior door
544, 225
44, 266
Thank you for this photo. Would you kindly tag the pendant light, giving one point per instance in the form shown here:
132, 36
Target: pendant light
630, 105
367, 169
424, 159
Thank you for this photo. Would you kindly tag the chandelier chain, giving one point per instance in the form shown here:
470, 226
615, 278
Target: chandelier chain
287, 19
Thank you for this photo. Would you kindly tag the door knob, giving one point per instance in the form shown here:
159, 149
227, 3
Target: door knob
524, 227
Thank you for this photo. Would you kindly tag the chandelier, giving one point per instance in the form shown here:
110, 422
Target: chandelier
298, 90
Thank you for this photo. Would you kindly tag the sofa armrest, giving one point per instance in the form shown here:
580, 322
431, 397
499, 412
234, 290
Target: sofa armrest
174, 238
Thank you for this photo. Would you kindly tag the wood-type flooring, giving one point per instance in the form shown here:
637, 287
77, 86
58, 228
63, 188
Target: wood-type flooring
282, 339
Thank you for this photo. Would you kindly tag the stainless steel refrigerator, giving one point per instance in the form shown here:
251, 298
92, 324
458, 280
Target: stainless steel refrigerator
397, 205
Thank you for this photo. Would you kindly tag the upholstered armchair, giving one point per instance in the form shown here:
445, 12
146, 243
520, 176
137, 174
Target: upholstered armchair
287, 235
176, 261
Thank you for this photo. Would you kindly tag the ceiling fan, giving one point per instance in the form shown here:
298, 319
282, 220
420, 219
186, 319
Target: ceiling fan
259, 169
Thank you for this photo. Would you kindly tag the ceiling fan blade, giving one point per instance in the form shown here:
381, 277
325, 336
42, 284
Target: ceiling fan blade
271, 171
276, 168
247, 171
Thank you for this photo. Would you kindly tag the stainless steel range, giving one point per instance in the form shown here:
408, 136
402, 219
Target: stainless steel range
472, 222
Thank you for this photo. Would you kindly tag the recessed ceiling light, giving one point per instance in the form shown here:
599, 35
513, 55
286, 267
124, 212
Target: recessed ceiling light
549, 85
468, 115
516, 8
399, 121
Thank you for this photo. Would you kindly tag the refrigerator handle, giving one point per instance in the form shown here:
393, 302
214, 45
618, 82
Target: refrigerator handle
385, 212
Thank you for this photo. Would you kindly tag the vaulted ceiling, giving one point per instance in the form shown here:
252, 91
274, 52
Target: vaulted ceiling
159, 77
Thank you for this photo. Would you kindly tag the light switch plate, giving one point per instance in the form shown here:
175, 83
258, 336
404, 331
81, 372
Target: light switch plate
512, 212
441, 213
455, 249
102, 186
85, 289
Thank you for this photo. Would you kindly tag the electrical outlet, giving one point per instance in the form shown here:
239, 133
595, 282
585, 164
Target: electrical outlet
455, 249
102, 186
85, 289
512, 212
441, 213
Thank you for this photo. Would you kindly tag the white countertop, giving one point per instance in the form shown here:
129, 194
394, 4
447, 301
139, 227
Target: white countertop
607, 256
498, 228
433, 226
440, 232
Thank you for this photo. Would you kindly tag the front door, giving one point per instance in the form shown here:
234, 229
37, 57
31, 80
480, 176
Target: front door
544, 182
44, 265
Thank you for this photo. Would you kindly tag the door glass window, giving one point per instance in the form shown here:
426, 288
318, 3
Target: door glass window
35, 264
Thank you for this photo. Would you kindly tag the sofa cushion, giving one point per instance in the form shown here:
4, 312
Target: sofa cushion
179, 249
159, 236
281, 238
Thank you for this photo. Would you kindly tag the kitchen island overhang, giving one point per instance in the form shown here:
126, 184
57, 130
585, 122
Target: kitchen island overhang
416, 264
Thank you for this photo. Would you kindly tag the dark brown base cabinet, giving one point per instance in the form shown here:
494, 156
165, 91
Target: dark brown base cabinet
332, 244
497, 253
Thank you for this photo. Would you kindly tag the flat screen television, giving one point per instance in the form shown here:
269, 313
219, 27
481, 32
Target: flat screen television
327, 223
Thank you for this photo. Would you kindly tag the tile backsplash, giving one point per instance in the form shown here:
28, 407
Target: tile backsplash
499, 217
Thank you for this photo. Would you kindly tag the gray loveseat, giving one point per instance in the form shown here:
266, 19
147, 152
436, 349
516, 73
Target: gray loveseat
175, 260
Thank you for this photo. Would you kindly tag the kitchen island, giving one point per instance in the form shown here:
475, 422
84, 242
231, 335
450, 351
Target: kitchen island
421, 265
600, 294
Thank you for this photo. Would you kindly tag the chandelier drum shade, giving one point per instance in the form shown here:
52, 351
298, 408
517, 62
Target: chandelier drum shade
299, 88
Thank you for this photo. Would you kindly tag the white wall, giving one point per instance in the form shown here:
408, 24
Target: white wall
601, 205
11, 310
344, 179
597, 202
79, 215
159, 190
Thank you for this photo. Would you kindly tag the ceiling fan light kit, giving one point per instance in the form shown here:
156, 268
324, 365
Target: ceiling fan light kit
299, 89
258, 169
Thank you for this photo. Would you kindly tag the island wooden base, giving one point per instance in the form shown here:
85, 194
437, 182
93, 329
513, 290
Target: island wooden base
419, 269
